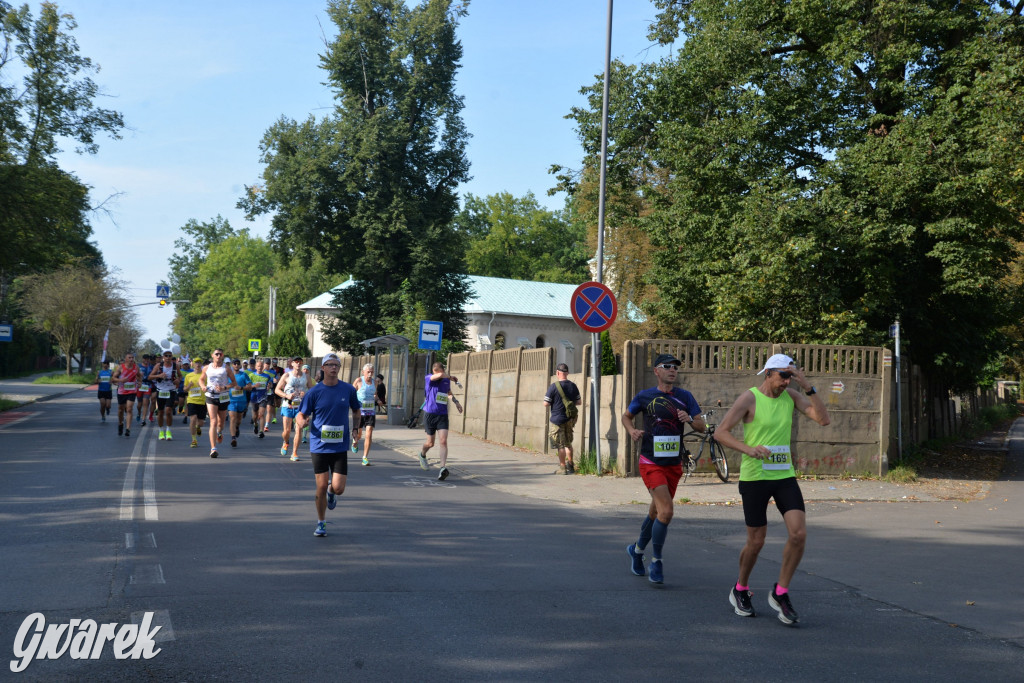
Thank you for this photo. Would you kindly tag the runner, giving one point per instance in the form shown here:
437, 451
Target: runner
165, 376
126, 377
145, 390
195, 403
103, 389
766, 473
217, 380
183, 371
326, 409
238, 402
260, 378
366, 390
667, 409
291, 388
438, 391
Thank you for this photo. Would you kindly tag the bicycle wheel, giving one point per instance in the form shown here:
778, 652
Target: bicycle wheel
721, 464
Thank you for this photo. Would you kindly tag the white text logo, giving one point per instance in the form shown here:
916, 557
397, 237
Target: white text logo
82, 640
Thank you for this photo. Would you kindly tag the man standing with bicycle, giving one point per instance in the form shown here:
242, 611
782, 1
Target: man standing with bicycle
766, 472
667, 409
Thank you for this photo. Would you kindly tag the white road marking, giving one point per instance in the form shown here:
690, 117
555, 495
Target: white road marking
148, 573
128, 490
162, 618
149, 483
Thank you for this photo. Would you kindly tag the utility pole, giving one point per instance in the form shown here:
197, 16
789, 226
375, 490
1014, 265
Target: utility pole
272, 323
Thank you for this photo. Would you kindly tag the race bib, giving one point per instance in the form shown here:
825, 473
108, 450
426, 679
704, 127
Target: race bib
164, 393
332, 434
666, 446
260, 383
144, 388
441, 400
195, 392
235, 393
224, 396
129, 386
778, 460
367, 407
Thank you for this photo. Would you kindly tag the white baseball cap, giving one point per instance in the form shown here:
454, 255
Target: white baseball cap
779, 361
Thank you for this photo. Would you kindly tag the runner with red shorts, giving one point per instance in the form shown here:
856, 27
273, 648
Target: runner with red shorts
126, 377
667, 409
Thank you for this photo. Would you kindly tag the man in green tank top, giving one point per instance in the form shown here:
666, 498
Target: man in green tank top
766, 472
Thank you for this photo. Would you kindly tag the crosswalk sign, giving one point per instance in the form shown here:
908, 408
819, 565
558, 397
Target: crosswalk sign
254, 345
163, 291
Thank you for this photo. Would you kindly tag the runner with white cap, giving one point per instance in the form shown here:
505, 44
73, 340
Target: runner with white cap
766, 472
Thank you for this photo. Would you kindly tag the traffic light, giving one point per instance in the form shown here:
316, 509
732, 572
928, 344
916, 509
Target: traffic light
163, 302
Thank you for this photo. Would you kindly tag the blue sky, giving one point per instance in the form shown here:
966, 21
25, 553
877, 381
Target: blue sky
199, 83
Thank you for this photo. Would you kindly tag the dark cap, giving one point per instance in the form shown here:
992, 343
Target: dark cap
667, 358
562, 367
297, 358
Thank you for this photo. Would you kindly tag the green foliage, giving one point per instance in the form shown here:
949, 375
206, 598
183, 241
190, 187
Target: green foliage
821, 170
372, 187
609, 365
516, 238
289, 340
63, 378
190, 252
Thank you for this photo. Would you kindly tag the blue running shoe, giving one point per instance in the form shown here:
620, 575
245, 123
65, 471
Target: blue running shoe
355, 446
332, 500
321, 529
638, 560
655, 572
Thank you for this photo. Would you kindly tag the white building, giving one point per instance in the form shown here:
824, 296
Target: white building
501, 313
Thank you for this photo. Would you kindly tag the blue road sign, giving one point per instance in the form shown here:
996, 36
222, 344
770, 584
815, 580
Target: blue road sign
593, 307
6, 332
430, 335
163, 291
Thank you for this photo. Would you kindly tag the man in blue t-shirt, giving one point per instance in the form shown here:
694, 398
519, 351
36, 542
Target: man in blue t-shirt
325, 410
667, 409
438, 390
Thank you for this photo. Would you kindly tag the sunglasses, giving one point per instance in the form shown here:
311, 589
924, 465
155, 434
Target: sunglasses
218, 354
331, 365
784, 374
667, 366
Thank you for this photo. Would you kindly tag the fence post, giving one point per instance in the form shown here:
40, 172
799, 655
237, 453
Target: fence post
487, 396
515, 395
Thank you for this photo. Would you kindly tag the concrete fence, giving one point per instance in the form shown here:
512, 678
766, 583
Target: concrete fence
502, 393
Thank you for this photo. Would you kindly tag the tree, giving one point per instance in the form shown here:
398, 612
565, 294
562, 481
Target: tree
75, 305
514, 237
47, 97
231, 287
373, 186
189, 254
830, 169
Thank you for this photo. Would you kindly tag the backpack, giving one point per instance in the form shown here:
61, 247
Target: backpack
571, 411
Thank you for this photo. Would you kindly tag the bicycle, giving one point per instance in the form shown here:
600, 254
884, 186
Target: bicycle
715, 449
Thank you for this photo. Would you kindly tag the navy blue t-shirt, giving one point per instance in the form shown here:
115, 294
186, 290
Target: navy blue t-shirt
662, 442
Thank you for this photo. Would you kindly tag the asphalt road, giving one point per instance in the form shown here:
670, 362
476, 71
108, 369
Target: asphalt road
423, 581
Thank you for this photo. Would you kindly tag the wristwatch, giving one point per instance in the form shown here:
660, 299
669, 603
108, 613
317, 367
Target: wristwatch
812, 391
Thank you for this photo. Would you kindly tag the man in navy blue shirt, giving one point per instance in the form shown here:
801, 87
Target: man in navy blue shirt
438, 392
325, 409
667, 409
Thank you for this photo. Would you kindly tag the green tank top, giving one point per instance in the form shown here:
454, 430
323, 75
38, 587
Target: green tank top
772, 426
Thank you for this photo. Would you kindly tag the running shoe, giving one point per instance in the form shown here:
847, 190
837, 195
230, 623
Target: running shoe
321, 529
220, 437
261, 435
194, 443
266, 427
167, 437
355, 445
332, 500
255, 428
294, 458
284, 450
103, 418
740, 601
655, 574
143, 424
423, 461
637, 560
234, 442
304, 441
120, 429
161, 436
127, 432
213, 453
570, 468
782, 605
274, 420
443, 474
366, 461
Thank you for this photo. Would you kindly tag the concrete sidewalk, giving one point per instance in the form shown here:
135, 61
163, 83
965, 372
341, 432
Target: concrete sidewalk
530, 474
23, 391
